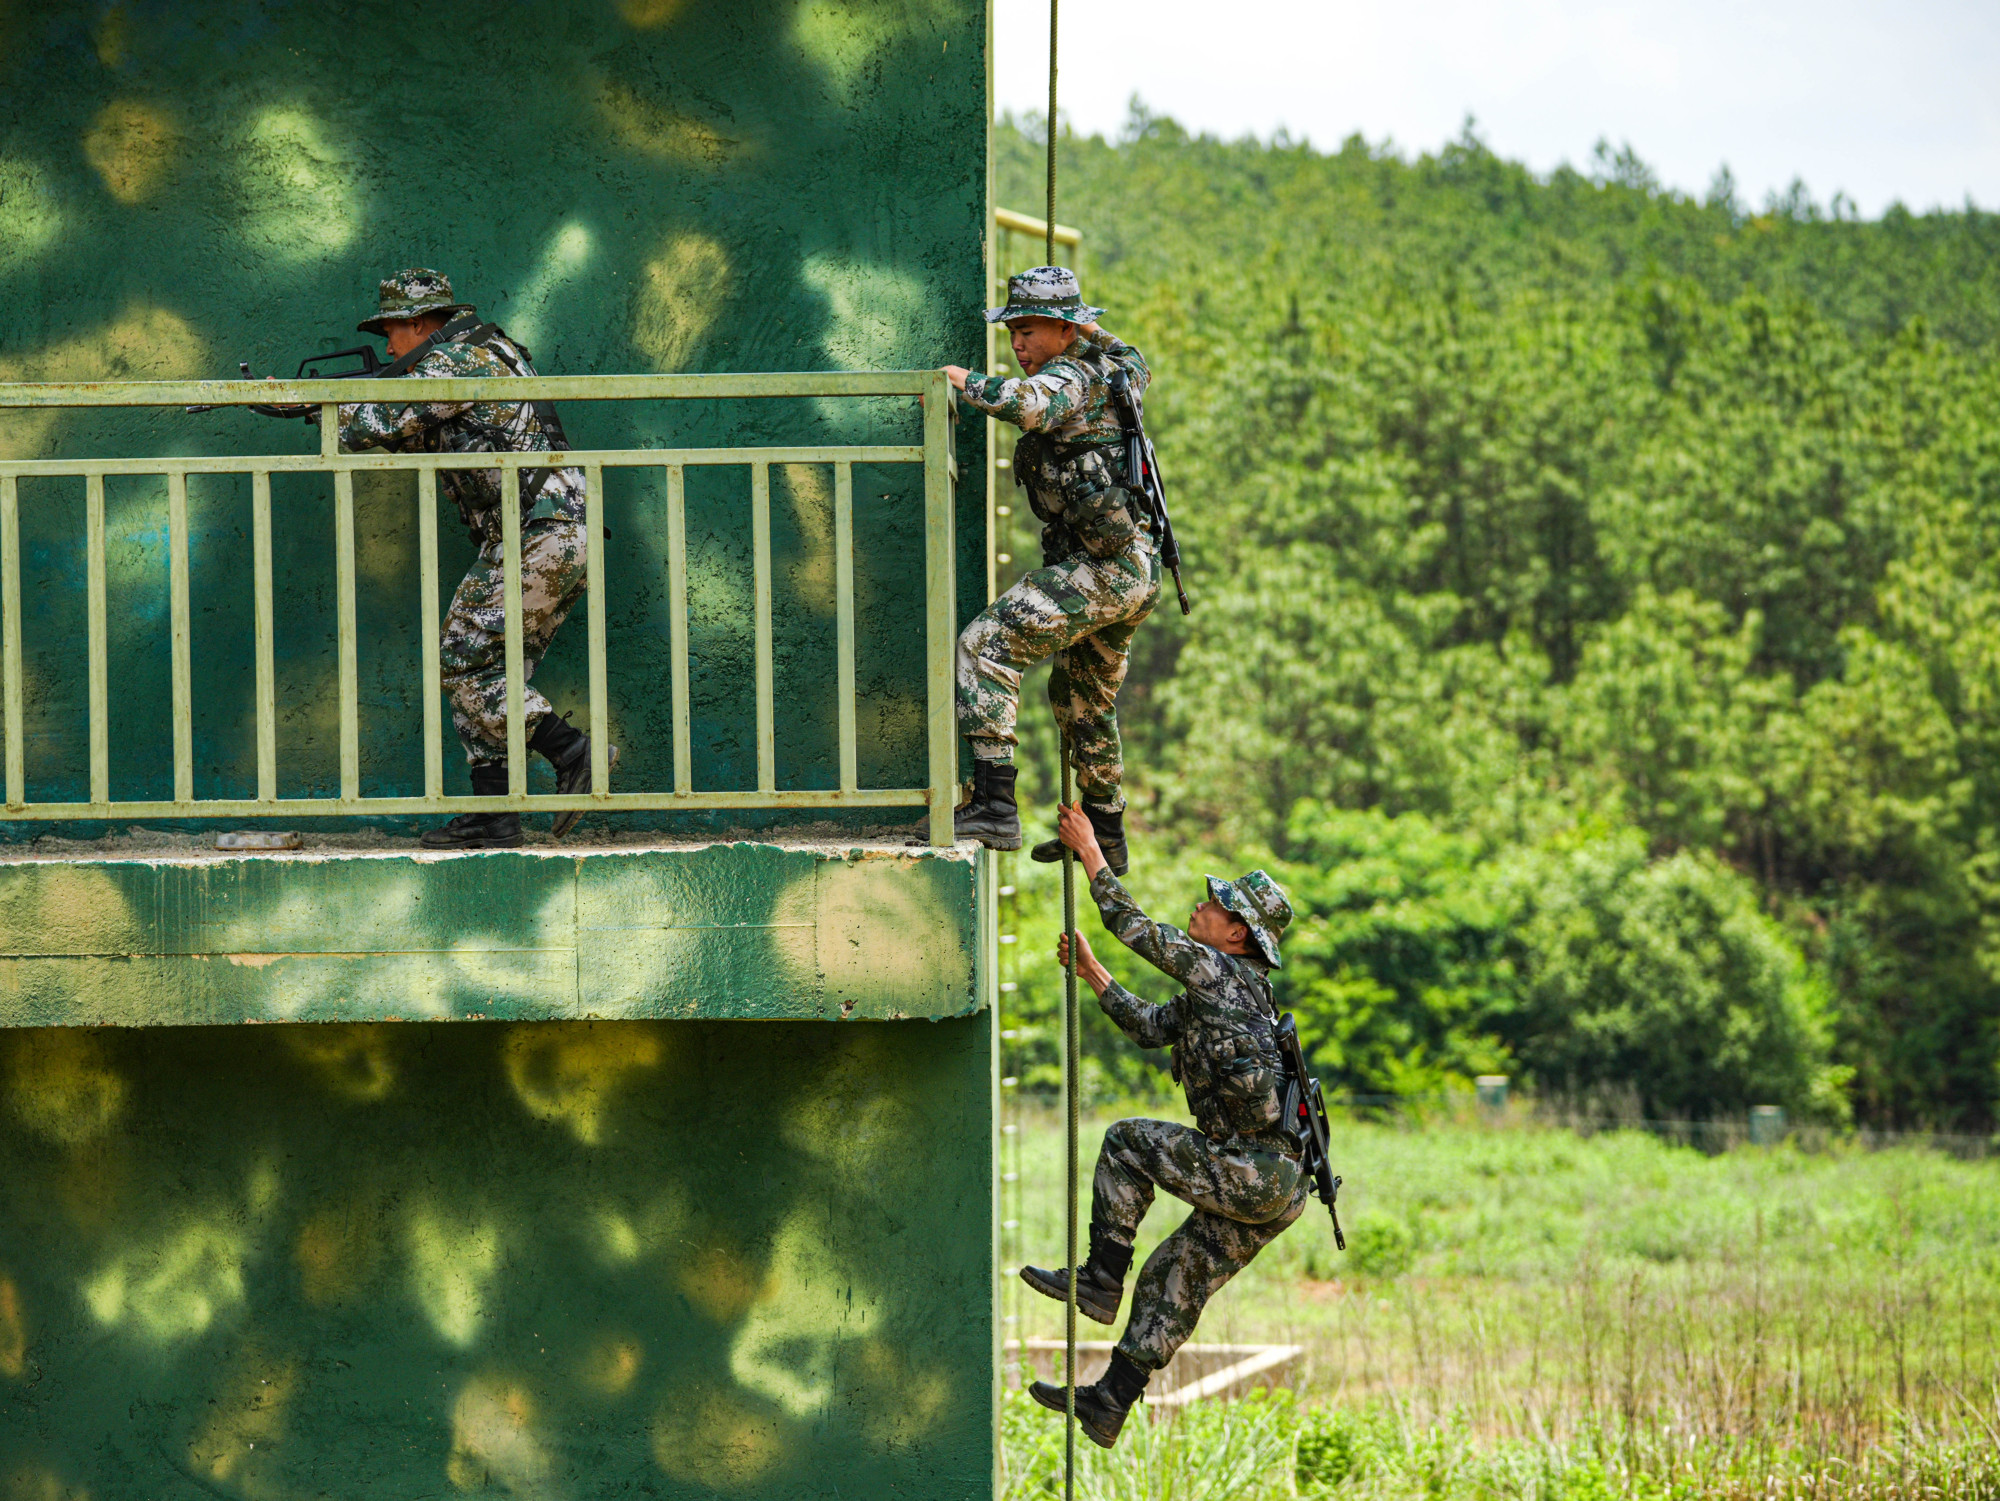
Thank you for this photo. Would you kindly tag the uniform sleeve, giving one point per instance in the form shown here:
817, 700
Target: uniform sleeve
1161, 945
380, 424
1031, 402
1148, 1025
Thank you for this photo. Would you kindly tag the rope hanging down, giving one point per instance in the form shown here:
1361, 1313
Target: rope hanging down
1071, 1051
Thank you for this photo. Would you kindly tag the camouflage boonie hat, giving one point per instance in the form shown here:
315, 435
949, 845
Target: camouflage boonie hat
1259, 901
1045, 292
411, 294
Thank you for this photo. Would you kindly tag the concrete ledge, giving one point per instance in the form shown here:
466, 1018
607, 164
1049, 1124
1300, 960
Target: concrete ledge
165, 931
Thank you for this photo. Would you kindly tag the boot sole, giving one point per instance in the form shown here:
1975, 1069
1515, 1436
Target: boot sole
569, 818
1052, 1397
1036, 854
1049, 1288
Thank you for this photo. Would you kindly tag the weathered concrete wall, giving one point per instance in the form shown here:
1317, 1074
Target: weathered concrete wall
750, 931
628, 185
542, 1260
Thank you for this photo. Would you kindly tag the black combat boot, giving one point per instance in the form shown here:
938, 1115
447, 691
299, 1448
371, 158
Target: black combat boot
992, 816
568, 752
479, 831
1100, 1286
1110, 829
1100, 1407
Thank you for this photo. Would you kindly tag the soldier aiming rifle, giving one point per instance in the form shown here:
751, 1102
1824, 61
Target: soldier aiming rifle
1100, 573
1252, 1158
430, 335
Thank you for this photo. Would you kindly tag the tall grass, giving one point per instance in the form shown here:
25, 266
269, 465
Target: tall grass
1526, 1312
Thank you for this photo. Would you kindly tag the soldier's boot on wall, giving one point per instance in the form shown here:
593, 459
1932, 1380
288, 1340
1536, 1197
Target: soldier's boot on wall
1100, 1407
1110, 829
992, 817
1100, 1283
568, 752
479, 831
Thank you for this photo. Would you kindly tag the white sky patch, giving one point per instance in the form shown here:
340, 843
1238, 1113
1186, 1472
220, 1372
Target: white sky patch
1884, 102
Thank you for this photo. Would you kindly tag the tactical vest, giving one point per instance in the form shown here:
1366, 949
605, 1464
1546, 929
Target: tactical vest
466, 329
1233, 1074
1077, 489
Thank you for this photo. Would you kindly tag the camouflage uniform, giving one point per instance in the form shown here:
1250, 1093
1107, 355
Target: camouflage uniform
473, 648
1100, 574
1240, 1171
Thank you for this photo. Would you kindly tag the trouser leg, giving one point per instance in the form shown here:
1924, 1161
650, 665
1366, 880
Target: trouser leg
1242, 1201
1048, 610
1083, 692
473, 648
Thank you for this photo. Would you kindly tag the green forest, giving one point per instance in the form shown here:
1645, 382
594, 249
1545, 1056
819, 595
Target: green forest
1597, 624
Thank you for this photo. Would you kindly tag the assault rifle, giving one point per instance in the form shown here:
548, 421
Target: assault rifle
1142, 475
360, 363
1305, 1119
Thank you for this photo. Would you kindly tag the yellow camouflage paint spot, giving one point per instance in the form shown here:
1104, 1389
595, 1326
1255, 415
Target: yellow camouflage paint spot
905, 1402
453, 1261
337, 1251
720, 1283
714, 1438
844, 37
493, 1439
647, 14
874, 310
173, 1287
611, 1365
142, 343
112, 40
789, 1344
352, 1059
61, 1086
809, 487
130, 146
573, 1071
679, 299
246, 1419
30, 218
33, 1482
301, 188
13, 1331
643, 126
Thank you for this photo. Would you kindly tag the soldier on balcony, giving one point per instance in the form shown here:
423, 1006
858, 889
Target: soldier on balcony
430, 335
1100, 572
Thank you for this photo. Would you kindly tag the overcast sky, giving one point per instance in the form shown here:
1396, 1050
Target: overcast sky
1881, 101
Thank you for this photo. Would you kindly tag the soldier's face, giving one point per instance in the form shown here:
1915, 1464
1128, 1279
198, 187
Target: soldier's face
1039, 340
406, 334
1215, 925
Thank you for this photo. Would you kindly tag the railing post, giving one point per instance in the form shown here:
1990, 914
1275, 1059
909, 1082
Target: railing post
843, 608
677, 626
593, 599
350, 670
267, 708
940, 605
510, 543
760, 547
178, 606
10, 632
96, 628
427, 570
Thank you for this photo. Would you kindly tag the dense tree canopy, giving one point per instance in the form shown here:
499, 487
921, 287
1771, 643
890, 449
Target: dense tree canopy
1597, 613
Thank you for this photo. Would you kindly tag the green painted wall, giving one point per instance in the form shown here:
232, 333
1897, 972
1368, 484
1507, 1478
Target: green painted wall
548, 1260
750, 931
628, 185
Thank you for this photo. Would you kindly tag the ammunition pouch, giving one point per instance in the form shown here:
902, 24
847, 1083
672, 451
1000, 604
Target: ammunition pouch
1079, 491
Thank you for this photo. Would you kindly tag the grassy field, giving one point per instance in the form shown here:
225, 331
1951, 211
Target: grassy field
1527, 1312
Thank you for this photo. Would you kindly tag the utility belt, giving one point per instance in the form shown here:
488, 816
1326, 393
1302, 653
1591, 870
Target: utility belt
1083, 488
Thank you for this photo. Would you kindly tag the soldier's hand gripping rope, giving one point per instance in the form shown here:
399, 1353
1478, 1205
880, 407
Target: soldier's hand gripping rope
1305, 1119
1143, 478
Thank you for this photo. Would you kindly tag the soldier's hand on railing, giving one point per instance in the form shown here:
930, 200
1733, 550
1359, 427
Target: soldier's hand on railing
956, 374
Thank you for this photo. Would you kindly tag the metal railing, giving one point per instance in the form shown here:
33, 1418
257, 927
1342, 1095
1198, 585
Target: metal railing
936, 453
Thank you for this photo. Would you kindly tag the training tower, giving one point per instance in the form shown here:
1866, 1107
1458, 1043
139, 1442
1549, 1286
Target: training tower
657, 1163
